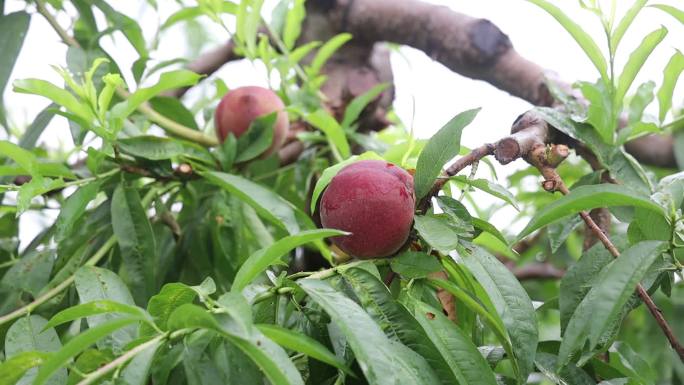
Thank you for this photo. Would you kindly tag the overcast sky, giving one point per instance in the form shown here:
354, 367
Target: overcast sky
438, 93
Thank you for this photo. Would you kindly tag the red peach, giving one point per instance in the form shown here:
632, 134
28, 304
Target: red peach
374, 201
241, 106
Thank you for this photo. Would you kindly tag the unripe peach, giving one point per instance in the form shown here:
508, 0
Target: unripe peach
374, 201
241, 106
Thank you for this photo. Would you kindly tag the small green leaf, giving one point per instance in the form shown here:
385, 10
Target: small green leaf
57, 95
599, 103
332, 130
636, 61
92, 308
356, 106
570, 374
624, 23
325, 52
293, 23
14, 368
167, 81
587, 198
489, 187
257, 138
13, 28
672, 11
73, 209
172, 108
30, 137
136, 241
160, 306
415, 264
580, 35
442, 147
161, 148
438, 231
262, 259
671, 74
303, 344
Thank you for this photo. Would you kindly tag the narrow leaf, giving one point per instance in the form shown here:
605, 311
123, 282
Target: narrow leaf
636, 61
671, 74
442, 147
587, 198
262, 259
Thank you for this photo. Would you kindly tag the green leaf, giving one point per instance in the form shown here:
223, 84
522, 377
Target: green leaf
636, 61
129, 27
78, 344
136, 241
137, 371
672, 11
73, 209
671, 74
578, 279
604, 302
57, 95
257, 138
270, 357
30, 137
471, 302
415, 264
93, 308
587, 198
624, 23
437, 231
578, 33
332, 130
396, 321
172, 108
455, 346
161, 148
356, 106
596, 115
160, 306
24, 158
325, 52
511, 302
248, 22
442, 147
303, 344
331, 171
266, 203
14, 368
570, 374
262, 259
31, 334
13, 28
382, 362
167, 81
94, 283
489, 187
188, 13
293, 23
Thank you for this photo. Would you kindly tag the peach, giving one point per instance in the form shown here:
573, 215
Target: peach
241, 106
374, 201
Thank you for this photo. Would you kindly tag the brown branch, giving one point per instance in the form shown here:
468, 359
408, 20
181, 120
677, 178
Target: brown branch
210, 62
538, 271
553, 182
463, 162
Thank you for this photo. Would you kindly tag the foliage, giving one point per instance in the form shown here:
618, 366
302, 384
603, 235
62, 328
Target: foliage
171, 259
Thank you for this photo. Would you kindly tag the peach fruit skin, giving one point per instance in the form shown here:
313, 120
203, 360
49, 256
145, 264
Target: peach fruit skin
239, 107
374, 201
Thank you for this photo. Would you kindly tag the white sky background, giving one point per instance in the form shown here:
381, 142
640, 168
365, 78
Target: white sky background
438, 93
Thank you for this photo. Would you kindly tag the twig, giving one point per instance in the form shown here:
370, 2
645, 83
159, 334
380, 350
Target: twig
121, 360
553, 182
472, 157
